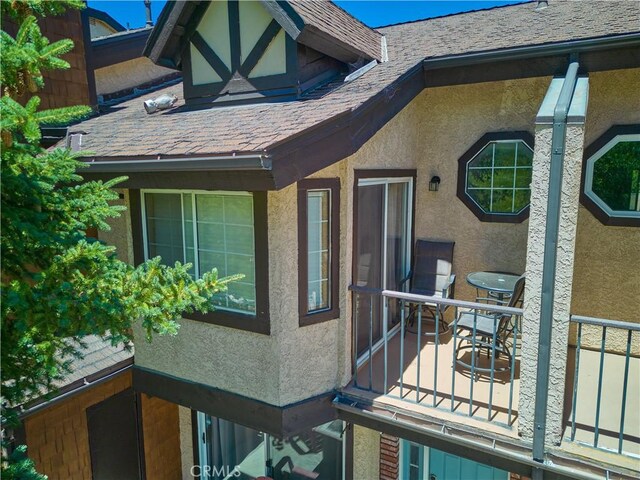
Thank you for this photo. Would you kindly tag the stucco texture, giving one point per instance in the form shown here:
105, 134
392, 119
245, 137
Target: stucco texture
119, 235
563, 280
452, 119
128, 74
366, 454
607, 268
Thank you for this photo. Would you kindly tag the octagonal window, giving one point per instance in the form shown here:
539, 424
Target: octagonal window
612, 178
497, 177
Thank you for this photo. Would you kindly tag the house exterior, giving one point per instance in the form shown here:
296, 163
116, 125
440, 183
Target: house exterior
309, 152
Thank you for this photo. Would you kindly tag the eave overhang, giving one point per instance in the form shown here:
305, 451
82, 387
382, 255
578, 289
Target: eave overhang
118, 48
330, 141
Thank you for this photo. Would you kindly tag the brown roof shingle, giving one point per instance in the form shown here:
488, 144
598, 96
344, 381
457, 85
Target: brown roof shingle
128, 131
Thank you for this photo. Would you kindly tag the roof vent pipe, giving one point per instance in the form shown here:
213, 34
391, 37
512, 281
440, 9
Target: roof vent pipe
542, 4
147, 6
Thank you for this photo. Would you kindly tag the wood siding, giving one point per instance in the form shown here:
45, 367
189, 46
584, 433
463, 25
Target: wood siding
57, 437
161, 438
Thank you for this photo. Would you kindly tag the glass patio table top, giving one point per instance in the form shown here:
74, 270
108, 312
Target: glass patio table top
498, 282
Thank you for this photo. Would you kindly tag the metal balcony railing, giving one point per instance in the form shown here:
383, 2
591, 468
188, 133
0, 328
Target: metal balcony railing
605, 394
468, 364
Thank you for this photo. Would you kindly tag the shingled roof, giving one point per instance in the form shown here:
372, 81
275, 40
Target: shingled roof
128, 132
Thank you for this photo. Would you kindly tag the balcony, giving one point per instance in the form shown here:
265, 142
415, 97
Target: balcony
422, 369
426, 368
603, 388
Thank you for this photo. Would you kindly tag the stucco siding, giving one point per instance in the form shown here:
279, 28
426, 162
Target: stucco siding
607, 268
366, 453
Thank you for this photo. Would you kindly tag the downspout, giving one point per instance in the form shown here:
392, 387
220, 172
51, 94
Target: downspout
558, 141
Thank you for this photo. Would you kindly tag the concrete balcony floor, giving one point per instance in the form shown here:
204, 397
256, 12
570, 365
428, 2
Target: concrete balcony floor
610, 404
450, 382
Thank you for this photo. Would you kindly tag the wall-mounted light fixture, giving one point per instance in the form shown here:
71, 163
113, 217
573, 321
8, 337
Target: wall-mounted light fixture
434, 183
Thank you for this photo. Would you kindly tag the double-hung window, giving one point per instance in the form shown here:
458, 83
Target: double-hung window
209, 230
318, 242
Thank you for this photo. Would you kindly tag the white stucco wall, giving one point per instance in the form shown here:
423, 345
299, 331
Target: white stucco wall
366, 454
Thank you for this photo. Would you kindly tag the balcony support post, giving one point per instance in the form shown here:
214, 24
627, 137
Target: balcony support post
555, 189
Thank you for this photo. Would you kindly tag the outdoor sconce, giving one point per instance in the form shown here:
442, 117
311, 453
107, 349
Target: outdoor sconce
434, 183
161, 103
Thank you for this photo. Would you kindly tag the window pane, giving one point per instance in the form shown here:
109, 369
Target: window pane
480, 177
616, 177
500, 183
164, 227
318, 244
484, 158
505, 154
226, 242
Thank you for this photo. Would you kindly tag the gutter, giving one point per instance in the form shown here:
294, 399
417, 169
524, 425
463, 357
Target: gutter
372, 420
544, 50
558, 141
160, 163
79, 386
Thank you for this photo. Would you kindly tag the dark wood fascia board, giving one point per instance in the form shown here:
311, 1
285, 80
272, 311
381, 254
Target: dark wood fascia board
591, 150
397, 429
514, 68
192, 179
342, 135
481, 215
76, 387
121, 48
286, 16
255, 414
163, 30
331, 46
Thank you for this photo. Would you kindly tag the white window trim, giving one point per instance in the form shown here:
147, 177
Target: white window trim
512, 189
329, 252
588, 180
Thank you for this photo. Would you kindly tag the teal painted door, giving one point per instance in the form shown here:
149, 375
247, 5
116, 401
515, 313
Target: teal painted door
444, 466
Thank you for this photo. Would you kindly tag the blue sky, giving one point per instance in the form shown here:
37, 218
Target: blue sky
373, 13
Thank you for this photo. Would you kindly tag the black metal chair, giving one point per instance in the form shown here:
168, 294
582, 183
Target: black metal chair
477, 331
431, 275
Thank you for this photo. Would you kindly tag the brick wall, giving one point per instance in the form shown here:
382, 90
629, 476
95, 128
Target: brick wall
161, 439
63, 87
57, 437
389, 450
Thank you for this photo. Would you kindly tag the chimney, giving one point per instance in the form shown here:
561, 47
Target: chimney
147, 6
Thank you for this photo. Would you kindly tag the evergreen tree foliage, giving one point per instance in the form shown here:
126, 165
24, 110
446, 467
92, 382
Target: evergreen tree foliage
57, 284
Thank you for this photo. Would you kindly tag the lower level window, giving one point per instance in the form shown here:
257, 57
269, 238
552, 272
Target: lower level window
229, 450
208, 230
423, 463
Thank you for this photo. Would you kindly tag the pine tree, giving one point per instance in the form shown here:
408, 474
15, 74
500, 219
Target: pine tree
58, 285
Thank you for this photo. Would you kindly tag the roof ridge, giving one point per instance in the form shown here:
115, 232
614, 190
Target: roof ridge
495, 7
355, 18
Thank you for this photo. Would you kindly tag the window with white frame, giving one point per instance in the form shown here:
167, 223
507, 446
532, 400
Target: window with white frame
209, 230
498, 177
318, 253
612, 179
318, 249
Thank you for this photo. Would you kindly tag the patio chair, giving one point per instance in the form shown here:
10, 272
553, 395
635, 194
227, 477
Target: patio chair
431, 275
485, 327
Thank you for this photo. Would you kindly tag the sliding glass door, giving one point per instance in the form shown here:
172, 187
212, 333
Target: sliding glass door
230, 451
383, 251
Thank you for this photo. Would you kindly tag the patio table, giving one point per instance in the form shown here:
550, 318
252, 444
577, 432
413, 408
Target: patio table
498, 283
